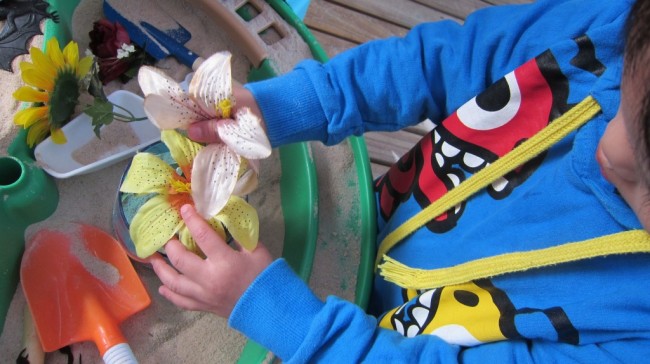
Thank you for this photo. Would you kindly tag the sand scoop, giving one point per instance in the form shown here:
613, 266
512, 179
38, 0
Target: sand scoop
79, 285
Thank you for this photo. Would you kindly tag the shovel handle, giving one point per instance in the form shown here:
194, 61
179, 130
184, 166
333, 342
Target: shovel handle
120, 354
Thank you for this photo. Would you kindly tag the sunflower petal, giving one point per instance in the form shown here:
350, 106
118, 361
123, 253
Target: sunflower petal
37, 132
71, 55
53, 51
28, 116
30, 94
245, 135
42, 62
57, 135
212, 83
37, 78
214, 175
85, 64
153, 225
170, 113
147, 174
182, 149
242, 222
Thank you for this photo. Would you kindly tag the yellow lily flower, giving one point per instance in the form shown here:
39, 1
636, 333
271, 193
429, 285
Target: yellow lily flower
215, 175
52, 84
159, 219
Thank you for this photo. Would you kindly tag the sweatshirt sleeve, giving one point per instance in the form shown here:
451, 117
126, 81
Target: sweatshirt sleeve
281, 313
385, 85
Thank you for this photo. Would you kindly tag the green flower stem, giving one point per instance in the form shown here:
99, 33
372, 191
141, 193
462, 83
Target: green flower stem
126, 118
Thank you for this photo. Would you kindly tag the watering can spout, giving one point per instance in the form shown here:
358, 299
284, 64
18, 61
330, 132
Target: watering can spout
27, 195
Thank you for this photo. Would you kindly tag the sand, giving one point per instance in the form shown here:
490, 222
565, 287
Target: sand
163, 333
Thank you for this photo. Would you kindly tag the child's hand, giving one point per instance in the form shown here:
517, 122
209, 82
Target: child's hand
206, 132
213, 284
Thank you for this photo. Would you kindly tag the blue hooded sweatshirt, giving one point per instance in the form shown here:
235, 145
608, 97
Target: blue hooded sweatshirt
488, 85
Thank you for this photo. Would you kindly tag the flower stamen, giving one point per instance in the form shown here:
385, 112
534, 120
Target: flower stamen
179, 186
224, 107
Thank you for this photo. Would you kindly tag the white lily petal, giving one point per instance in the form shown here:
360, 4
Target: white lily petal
246, 184
214, 175
245, 135
168, 113
212, 83
154, 81
254, 164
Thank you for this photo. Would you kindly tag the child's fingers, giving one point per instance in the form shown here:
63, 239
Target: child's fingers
206, 238
204, 131
182, 259
174, 281
180, 300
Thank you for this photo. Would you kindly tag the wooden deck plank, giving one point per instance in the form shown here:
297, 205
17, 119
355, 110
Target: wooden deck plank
405, 13
505, 2
457, 8
331, 44
422, 128
350, 25
386, 148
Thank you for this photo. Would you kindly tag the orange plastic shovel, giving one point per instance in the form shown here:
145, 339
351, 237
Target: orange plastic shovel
79, 285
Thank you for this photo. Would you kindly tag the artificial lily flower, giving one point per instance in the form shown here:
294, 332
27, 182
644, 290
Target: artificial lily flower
159, 219
168, 106
53, 84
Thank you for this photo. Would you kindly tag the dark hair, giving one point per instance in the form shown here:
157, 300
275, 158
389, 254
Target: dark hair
637, 44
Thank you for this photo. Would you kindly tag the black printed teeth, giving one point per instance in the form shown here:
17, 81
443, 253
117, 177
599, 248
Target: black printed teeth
447, 155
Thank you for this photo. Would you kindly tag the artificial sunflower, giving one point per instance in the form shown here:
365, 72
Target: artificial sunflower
159, 219
53, 84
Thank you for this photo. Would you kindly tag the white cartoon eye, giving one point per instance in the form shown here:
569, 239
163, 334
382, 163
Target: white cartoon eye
493, 108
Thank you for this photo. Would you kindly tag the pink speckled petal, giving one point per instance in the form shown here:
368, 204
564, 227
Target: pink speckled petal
214, 176
212, 83
154, 81
246, 184
167, 112
245, 135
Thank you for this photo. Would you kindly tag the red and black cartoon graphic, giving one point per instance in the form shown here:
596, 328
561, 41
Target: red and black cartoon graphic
485, 128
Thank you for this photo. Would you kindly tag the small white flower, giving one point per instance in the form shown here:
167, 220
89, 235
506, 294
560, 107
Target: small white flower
125, 51
128, 47
122, 54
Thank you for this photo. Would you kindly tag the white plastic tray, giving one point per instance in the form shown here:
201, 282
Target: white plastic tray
70, 159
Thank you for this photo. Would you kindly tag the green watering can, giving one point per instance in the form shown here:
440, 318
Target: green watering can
27, 195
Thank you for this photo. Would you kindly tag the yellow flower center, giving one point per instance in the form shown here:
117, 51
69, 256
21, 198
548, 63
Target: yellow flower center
224, 106
180, 186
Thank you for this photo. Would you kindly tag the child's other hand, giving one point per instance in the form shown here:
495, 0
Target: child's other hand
206, 131
213, 284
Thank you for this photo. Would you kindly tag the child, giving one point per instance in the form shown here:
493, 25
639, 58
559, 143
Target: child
568, 294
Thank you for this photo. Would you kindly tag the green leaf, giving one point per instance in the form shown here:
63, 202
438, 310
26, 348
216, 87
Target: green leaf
95, 87
101, 113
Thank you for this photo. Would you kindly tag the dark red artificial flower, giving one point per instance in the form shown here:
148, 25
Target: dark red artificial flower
105, 39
